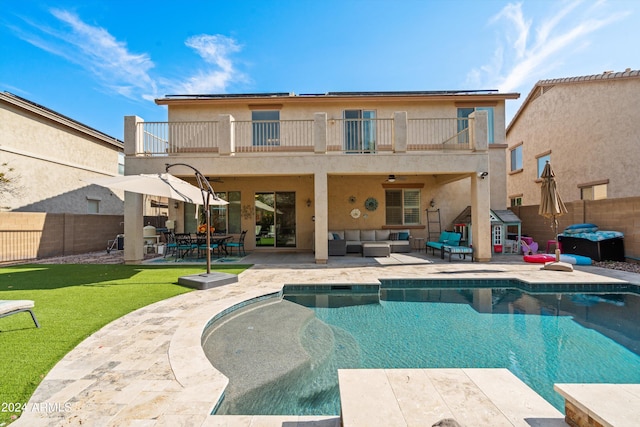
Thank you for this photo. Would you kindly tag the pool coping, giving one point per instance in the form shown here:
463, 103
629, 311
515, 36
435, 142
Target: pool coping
149, 366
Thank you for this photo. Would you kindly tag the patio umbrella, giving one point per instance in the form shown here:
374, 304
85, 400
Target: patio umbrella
551, 205
158, 184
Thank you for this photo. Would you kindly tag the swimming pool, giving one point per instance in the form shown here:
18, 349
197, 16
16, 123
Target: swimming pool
282, 357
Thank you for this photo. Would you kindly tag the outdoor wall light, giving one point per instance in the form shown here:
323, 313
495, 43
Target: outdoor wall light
308, 203
432, 203
176, 205
482, 175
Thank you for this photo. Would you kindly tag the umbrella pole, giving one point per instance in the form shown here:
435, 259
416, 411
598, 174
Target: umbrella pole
207, 193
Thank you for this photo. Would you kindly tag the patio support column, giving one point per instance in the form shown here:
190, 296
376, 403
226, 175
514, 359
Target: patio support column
320, 133
321, 206
133, 144
400, 125
133, 237
479, 131
133, 203
226, 141
481, 229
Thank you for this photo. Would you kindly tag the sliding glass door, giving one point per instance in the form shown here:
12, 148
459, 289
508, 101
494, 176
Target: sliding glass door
359, 131
276, 219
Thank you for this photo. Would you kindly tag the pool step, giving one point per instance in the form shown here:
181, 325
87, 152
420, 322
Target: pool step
422, 397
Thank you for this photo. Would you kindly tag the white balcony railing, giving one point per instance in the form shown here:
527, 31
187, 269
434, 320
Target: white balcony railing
368, 136
438, 134
281, 135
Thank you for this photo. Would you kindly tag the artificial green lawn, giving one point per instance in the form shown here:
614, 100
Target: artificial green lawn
72, 301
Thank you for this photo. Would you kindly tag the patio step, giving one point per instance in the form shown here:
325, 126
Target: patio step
423, 397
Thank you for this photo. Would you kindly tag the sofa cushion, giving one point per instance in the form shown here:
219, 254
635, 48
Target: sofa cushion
337, 235
330, 236
393, 236
382, 235
367, 235
353, 235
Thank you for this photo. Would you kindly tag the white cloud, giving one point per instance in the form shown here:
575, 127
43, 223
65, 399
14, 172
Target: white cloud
127, 73
520, 60
215, 50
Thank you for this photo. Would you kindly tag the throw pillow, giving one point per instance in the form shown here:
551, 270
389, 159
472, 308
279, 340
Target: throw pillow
403, 235
336, 236
393, 236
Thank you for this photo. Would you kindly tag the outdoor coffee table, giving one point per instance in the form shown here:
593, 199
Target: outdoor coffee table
376, 249
462, 251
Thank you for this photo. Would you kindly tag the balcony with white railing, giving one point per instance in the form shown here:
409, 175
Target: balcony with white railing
318, 135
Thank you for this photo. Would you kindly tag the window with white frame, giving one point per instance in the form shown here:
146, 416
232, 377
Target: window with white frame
463, 123
516, 200
593, 192
93, 205
516, 158
542, 160
402, 206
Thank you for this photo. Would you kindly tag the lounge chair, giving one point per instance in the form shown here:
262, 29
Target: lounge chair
9, 307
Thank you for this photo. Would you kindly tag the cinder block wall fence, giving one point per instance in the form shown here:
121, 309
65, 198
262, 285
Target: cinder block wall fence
32, 235
610, 214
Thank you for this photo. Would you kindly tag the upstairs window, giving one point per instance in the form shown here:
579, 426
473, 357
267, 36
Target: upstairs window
266, 127
516, 158
542, 160
593, 192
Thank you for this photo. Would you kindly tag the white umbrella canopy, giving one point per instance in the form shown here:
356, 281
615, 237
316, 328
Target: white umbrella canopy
158, 184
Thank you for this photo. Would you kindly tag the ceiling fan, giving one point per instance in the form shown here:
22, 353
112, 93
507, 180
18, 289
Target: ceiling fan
394, 178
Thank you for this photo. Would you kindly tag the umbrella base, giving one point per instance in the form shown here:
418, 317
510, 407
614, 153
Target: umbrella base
207, 281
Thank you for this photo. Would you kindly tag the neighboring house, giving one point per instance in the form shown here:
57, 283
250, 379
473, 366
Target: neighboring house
294, 167
588, 128
51, 155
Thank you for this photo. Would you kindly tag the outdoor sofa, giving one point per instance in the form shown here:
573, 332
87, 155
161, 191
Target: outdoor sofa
342, 242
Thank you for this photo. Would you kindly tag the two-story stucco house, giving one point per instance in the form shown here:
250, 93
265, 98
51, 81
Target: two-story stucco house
294, 167
588, 127
51, 155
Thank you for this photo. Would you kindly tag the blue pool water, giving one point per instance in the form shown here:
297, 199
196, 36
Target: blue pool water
543, 339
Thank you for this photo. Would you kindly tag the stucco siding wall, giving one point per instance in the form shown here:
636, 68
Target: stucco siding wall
593, 133
50, 162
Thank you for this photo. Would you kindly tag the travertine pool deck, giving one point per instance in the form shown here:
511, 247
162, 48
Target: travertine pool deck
148, 368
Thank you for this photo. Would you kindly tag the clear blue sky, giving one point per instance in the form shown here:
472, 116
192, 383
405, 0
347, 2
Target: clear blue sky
97, 61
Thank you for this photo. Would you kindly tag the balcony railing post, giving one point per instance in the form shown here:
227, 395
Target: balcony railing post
133, 136
400, 125
320, 133
479, 130
226, 135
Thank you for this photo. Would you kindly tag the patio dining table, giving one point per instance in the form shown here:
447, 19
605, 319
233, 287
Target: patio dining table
187, 242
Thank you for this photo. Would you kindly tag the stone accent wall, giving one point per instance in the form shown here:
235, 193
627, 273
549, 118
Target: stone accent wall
609, 214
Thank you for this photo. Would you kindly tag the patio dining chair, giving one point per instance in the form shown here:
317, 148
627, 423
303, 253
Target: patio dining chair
185, 244
171, 245
202, 245
239, 244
